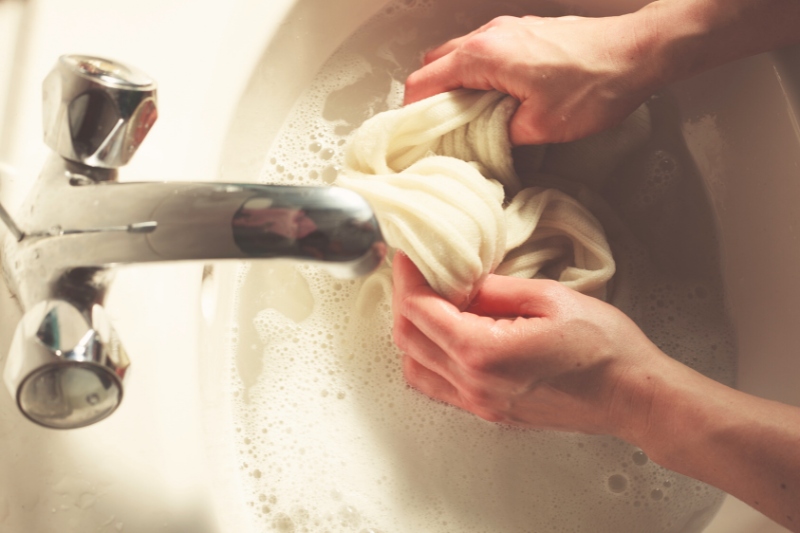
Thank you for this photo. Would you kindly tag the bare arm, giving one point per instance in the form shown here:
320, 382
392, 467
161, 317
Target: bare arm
576, 76
686, 37
747, 446
535, 354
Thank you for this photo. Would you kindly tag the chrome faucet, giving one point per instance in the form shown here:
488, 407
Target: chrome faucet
66, 366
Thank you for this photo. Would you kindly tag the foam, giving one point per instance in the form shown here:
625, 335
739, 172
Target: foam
331, 439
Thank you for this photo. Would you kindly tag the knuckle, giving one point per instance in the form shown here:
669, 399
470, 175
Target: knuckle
400, 334
552, 292
406, 307
502, 21
413, 83
550, 300
430, 56
411, 370
491, 416
482, 45
552, 289
476, 396
470, 355
474, 363
479, 402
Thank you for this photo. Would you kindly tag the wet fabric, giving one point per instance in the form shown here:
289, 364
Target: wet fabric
440, 176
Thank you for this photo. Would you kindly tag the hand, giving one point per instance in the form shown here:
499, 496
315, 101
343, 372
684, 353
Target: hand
532, 353
573, 76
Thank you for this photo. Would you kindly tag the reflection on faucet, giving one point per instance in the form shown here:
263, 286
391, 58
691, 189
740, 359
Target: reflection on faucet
277, 227
66, 364
256, 218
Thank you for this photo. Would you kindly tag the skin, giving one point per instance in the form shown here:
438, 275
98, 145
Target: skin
535, 354
576, 76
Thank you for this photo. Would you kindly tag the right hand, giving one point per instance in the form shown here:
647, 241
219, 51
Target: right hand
573, 76
531, 353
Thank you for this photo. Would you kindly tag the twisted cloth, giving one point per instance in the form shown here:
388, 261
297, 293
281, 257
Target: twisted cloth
440, 176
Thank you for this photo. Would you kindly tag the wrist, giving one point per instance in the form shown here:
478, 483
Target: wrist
636, 44
687, 412
639, 409
687, 37
667, 37
663, 405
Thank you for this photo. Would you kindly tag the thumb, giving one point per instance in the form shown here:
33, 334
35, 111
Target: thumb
507, 297
523, 129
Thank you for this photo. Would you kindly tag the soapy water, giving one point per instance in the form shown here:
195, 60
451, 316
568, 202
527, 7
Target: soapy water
330, 437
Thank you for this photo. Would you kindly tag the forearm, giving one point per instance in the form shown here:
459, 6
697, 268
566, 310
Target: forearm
747, 446
686, 37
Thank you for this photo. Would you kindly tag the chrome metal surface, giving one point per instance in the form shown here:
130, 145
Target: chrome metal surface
97, 111
65, 367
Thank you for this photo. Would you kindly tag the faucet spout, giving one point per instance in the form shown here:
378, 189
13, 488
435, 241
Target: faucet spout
73, 220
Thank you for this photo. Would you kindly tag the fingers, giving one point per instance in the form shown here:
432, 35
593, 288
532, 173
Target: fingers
453, 44
428, 382
433, 385
409, 282
446, 48
424, 363
436, 318
415, 344
436, 77
445, 69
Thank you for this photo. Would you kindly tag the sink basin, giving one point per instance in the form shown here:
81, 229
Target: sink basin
178, 454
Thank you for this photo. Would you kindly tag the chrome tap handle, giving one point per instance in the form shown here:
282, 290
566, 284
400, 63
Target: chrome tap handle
65, 367
96, 111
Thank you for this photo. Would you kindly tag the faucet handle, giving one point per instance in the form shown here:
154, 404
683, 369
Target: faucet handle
97, 111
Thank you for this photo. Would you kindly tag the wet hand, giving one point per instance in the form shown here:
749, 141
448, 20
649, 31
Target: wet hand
573, 76
531, 353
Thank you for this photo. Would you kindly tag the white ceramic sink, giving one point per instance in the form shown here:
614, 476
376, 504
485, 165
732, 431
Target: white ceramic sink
170, 459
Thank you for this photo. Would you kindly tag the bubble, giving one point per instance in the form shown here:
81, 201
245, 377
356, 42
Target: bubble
283, 523
656, 494
639, 458
330, 173
617, 483
349, 516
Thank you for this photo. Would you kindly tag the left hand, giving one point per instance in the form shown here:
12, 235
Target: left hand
573, 76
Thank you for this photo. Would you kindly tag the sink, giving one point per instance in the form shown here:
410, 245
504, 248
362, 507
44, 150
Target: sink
260, 143
145, 468
176, 456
